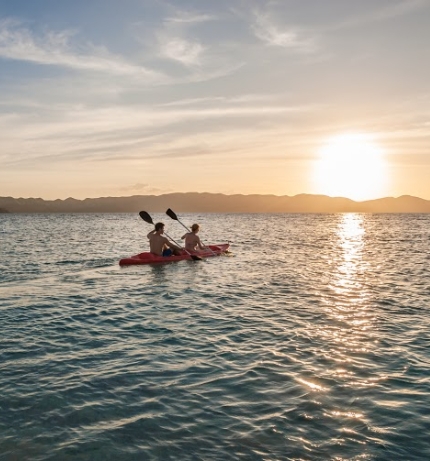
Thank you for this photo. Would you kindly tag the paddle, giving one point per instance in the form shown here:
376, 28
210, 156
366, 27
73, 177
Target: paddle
147, 218
172, 215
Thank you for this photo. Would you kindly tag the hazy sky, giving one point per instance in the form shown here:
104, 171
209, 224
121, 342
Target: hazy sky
111, 98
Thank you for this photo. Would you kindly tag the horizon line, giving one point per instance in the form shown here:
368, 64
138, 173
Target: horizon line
214, 193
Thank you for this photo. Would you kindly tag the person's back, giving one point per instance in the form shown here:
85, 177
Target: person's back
192, 240
157, 244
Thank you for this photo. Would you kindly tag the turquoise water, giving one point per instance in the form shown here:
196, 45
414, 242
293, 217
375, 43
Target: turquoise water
309, 342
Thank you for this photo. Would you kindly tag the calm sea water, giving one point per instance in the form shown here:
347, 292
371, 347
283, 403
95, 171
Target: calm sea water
309, 342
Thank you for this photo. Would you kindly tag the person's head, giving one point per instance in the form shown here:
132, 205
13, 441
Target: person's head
195, 228
159, 227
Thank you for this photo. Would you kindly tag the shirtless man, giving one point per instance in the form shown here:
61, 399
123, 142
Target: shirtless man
160, 245
192, 240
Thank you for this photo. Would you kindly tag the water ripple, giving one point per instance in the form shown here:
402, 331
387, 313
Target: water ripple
311, 342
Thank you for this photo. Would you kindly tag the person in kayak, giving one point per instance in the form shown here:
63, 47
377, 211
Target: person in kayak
160, 245
192, 240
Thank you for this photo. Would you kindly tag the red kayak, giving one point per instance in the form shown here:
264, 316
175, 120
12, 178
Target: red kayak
150, 258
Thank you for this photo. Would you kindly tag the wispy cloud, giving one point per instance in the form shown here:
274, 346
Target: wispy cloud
244, 99
179, 38
178, 49
176, 41
393, 10
403, 7
288, 37
56, 49
138, 131
142, 188
183, 17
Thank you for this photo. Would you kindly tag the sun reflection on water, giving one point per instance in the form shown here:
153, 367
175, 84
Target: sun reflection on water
351, 240
347, 304
348, 271
345, 336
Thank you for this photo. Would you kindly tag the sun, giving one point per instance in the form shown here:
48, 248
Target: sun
352, 166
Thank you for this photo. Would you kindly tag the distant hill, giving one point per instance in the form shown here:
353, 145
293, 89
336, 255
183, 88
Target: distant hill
216, 203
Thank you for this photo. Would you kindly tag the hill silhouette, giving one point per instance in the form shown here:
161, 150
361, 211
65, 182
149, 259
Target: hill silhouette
191, 202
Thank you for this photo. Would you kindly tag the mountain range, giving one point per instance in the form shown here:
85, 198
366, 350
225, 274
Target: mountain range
193, 202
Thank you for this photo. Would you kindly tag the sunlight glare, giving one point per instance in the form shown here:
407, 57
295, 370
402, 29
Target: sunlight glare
352, 166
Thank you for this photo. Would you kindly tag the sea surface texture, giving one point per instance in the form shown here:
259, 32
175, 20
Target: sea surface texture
310, 341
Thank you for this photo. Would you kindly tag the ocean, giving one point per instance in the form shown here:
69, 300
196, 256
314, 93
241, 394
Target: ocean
309, 341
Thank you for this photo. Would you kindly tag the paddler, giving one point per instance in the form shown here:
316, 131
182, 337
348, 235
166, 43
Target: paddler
160, 245
192, 240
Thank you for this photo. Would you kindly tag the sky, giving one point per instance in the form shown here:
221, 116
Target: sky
127, 97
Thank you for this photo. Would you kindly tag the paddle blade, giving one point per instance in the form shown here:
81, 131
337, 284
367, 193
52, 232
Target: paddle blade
171, 214
145, 216
196, 258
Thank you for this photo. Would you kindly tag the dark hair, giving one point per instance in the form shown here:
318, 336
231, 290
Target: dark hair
195, 227
159, 226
